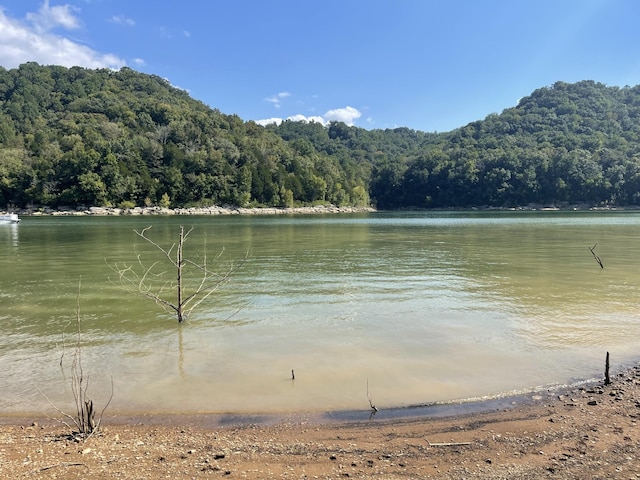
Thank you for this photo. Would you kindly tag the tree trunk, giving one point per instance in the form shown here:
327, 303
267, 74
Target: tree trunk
179, 264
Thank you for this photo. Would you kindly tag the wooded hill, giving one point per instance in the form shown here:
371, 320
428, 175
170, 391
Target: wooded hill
73, 136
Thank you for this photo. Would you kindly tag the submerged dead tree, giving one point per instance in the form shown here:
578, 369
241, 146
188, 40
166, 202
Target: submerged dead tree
193, 284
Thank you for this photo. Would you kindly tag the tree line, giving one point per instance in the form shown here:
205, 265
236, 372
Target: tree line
75, 136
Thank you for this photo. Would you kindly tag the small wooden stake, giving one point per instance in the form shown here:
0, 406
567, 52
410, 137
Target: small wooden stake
607, 380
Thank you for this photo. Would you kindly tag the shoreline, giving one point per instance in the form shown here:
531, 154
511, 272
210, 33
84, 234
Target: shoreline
424, 411
213, 210
307, 210
428, 410
588, 431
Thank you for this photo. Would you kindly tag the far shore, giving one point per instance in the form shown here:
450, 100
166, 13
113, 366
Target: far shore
213, 210
307, 210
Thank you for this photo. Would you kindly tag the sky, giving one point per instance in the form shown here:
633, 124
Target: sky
429, 65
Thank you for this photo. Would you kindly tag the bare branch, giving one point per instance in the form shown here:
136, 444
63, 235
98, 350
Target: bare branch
61, 412
596, 257
167, 253
171, 295
84, 419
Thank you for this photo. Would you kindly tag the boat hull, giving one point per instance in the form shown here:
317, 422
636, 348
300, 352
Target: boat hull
11, 218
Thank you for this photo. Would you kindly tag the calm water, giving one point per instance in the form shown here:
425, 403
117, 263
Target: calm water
422, 307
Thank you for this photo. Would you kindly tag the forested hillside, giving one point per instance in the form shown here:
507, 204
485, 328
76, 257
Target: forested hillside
570, 143
72, 137
98, 137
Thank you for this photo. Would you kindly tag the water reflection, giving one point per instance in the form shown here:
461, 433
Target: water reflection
9, 235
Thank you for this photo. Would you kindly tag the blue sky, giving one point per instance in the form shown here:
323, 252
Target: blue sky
423, 64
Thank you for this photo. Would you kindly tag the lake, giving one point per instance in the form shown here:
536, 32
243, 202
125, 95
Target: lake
406, 308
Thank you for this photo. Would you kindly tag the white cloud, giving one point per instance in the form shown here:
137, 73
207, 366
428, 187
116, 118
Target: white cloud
302, 118
122, 20
48, 18
270, 121
346, 115
32, 41
276, 99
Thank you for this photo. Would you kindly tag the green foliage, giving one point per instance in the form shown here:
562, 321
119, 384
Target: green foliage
565, 144
98, 137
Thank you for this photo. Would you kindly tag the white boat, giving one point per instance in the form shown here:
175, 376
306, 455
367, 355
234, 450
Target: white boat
9, 218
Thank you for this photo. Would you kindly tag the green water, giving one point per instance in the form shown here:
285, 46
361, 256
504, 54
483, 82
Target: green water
422, 306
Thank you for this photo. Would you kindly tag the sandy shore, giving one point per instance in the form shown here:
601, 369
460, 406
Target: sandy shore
586, 432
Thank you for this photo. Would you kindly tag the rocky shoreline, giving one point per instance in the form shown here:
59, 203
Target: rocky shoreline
213, 210
310, 210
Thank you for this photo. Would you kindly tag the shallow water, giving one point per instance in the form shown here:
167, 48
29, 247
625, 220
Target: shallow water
413, 308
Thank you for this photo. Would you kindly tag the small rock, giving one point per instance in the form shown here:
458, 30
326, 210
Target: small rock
86, 451
592, 402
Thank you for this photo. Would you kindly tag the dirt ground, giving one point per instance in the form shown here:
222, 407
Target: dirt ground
587, 432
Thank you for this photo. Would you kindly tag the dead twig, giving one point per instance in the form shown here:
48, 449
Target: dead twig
63, 464
448, 444
85, 418
373, 407
597, 258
